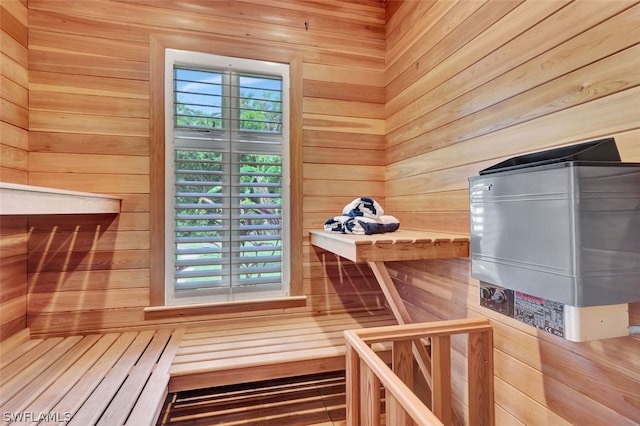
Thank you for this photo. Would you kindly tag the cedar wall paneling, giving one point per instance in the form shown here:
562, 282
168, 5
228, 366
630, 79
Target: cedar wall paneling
89, 116
469, 84
14, 164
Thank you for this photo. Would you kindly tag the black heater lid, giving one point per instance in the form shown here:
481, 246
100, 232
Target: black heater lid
594, 151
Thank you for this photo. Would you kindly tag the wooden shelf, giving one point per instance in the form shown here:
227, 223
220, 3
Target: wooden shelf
393, 246
16, 199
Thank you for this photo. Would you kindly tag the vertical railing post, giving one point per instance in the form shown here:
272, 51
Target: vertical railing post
395, 414
352, 371
367, 372
402, 366
369, 396
402, 361
480, 374
441, 374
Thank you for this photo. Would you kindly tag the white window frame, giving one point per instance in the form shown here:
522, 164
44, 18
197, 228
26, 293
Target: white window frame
201, 60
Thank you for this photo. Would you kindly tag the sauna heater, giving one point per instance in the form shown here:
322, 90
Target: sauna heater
555, 239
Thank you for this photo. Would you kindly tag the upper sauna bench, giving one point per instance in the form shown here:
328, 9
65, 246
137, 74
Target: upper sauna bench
17, 199
393, 246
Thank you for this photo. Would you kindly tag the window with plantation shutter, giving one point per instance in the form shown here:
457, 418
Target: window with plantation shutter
226, 174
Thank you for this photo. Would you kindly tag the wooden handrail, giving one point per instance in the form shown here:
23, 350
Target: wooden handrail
367, 372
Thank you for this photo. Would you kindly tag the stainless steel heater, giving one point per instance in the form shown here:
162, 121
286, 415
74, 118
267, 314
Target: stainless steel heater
555, 239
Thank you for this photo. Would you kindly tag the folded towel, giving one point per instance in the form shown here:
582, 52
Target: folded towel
368, 226
363, 207
335, 224
362, 216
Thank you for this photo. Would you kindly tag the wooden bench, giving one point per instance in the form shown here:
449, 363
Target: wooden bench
240, 351
109, 379
124, 378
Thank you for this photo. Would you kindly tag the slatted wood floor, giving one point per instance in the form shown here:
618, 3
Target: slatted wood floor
306, 400
240, 351
110, 379
317, 400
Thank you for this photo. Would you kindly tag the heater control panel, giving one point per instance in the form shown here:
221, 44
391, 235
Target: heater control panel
543, 314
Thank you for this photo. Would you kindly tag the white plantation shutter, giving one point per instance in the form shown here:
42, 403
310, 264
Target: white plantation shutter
227, 205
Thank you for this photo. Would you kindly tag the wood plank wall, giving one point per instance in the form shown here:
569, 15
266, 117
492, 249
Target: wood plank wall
89, 119
469, 84
14, 162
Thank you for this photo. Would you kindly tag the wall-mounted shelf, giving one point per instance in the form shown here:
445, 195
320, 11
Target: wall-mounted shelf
16, 199
389, 247
393, 246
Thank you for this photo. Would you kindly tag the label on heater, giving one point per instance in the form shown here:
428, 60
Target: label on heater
544, 314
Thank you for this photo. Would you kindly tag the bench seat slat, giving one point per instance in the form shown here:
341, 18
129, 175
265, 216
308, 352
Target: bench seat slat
92, 379
332, 359
33, 369
220, 354
268, 345
20, 364
266, 339
286, 331
92, 409
17, 354
54, 393
73, 400
56, 364
156, 388
229, 329
124, 401
258, 360
280, 353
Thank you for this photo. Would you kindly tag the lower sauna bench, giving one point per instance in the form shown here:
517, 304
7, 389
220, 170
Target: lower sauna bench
109, 379
124, 378
241, 351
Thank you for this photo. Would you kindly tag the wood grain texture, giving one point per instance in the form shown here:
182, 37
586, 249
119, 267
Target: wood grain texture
94, 123
403, 107
392, 247
91, 379
535, 75
14, 163
218, 353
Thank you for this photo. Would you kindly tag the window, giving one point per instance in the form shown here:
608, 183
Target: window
226, 177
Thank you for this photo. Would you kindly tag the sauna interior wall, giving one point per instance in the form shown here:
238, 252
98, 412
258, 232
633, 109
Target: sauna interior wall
14, 162
469, 84
89, 120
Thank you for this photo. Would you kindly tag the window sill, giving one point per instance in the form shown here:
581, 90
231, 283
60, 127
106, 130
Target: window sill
181, 311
